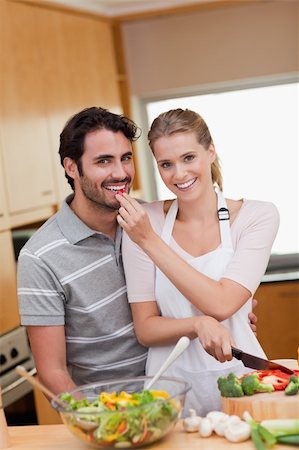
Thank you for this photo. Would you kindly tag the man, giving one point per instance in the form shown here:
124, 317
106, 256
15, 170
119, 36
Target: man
71, 286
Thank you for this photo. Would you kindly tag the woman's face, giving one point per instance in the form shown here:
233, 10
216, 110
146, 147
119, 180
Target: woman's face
184, 164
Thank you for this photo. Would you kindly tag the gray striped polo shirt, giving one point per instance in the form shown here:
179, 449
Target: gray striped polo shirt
70, 275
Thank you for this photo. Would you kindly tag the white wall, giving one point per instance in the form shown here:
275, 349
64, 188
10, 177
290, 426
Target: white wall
206, 51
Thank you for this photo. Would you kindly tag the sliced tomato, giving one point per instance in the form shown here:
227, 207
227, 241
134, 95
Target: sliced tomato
123, 427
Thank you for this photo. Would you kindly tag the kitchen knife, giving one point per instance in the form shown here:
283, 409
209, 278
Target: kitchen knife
258, 363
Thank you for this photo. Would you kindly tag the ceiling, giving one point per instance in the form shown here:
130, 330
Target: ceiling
115, 8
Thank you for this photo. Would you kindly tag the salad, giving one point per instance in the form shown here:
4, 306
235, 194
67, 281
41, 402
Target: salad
121, 419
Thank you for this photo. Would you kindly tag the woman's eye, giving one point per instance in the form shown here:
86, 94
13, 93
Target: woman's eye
189, 158
165, 165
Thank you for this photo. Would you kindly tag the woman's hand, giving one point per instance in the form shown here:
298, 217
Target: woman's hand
133, 218
214, 337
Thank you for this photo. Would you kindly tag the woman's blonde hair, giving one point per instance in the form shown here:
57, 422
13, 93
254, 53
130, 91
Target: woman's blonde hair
185, 121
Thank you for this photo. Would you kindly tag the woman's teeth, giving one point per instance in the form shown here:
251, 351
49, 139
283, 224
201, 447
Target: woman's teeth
186, 185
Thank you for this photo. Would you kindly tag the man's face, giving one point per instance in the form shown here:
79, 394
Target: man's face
106, 168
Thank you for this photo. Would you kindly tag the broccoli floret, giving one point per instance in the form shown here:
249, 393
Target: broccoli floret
230, 386
251, 385
293, 386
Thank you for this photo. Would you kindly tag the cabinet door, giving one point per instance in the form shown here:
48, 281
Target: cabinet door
9, 315
4, 222
23, 126
278, 319
84, 73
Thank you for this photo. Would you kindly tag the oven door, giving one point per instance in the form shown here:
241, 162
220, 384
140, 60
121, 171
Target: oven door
15, 350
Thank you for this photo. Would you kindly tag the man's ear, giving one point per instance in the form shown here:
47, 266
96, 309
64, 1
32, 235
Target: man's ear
70, 167
212, 152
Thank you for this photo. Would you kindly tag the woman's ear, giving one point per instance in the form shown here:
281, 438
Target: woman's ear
70, 167
212, 152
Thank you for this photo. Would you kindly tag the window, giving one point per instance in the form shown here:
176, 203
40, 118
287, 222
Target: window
255, 132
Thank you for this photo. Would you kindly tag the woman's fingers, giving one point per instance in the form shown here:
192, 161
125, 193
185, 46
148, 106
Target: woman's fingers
215, 338
129, 203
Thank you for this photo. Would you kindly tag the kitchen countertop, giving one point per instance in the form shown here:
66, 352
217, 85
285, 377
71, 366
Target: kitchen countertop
58, 437
282, 268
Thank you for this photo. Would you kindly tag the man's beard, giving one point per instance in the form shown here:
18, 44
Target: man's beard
97, 198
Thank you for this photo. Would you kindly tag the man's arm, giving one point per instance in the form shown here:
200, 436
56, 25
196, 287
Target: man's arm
49, 353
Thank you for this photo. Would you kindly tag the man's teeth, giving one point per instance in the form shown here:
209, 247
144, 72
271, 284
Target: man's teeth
116, 188
186, 185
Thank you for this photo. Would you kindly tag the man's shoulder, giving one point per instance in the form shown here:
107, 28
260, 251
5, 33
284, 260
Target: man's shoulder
44, 235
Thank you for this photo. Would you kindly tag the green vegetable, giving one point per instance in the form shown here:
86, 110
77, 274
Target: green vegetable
230, 386
293, 386
257, 440
279, 427
251, 384
148, 418
260, 435
289, 439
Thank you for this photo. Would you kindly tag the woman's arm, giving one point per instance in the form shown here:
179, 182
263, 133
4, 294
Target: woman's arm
153, 330
218, 299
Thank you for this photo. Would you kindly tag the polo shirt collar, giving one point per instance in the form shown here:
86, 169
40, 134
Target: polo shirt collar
70, 225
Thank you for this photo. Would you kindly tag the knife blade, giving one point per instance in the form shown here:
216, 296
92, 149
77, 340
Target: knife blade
254, 362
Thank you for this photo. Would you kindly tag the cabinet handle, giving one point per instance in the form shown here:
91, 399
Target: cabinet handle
1, 214
47, 192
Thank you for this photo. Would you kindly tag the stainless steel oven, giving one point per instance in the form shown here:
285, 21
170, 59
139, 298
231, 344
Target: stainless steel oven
14, 350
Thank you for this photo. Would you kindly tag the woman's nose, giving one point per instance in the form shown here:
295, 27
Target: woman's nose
179, 171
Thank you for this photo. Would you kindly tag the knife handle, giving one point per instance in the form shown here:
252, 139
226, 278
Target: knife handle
236, 353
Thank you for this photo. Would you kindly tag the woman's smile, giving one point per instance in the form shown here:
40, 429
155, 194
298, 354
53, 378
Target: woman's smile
185, 186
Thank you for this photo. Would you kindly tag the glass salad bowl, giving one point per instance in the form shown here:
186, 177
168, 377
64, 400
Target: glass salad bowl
122, 413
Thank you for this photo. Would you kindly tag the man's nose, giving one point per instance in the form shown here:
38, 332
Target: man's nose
118, 171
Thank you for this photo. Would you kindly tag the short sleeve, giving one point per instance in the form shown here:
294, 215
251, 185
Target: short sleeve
41, 300
253, 233
140, 271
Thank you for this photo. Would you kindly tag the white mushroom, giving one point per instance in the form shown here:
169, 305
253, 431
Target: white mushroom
191, 423
215, 416
223, 422
220, 426
238, 431
205, 427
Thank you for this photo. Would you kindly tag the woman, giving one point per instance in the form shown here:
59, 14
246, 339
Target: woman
195, 261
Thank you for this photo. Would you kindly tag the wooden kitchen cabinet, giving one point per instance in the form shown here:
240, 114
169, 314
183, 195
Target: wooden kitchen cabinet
27, 162
9, 314
278, 318
4, 218
84, 73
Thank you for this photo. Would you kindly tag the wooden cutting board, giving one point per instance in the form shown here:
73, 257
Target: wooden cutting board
273, 405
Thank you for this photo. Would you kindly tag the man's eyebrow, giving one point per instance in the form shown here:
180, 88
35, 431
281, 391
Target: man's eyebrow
109, 156
103, 156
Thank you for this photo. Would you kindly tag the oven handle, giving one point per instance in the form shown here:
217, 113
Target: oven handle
17, 383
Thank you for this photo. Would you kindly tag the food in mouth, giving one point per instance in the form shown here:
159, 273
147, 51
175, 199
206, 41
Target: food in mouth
117, 189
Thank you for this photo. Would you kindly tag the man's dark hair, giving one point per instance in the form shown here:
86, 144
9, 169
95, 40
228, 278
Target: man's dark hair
90, 119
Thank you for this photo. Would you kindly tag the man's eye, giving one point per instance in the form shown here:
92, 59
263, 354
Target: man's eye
127, 158
103, 161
